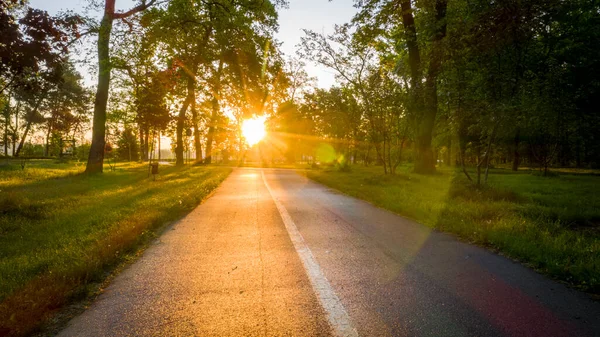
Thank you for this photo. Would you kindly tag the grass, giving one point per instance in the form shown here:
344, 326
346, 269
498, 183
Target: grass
61, 231
551, 224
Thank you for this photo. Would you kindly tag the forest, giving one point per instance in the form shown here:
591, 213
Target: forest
466, 83
435, 82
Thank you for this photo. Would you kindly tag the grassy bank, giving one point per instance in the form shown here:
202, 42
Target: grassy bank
551, 224
61, 230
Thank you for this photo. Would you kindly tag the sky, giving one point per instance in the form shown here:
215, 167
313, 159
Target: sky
317, 15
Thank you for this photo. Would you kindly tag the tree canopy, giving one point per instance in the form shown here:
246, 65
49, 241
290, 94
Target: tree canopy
436, 82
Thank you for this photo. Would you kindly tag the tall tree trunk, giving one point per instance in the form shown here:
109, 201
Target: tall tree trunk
150, 146
215, 113
414, 56
96, 156
159, 145
380, 158
423, 155
197, 144
462, 145
179, 160
31, 116
211, 130
487, 167
389, 157
15, 134
6, 123
425, 160
488, 152
399, 156
516, 155
22, 142
146, 144
47, 149
462, 164
143, 154
6, 140
197, 141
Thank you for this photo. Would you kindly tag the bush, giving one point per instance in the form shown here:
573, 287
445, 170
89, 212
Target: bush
127, 146
344, 166
83, 151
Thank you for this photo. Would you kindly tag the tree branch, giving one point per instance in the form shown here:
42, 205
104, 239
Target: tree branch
79, 36
141, 7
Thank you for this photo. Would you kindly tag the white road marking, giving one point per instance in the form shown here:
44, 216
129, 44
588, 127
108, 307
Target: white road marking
336, 314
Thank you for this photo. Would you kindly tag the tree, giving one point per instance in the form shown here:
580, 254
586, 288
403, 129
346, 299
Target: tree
352, 63
65, 110
213, 44
33, 53
422, 52
237, 34
96, 156
127, 145
31, 43
186, 30
32, 91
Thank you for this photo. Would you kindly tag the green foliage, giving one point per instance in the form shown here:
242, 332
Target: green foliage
203, 57
82, 151
36, 76
343, 166
474, 82
31, 42
127, 145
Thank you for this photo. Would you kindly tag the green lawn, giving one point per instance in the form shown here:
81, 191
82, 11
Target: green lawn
551, 224
61, 230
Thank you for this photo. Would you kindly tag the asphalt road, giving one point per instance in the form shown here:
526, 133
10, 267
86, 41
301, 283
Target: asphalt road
273, 254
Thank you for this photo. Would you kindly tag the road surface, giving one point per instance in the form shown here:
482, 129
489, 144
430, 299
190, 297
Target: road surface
274, 254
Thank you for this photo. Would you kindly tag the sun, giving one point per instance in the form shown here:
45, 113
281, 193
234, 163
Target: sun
254, 130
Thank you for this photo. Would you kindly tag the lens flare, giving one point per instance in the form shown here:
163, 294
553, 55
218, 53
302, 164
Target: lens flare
254, 130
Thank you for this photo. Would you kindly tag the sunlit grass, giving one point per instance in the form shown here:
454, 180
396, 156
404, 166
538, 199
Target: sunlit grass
12, 174
551, 224
61, 229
